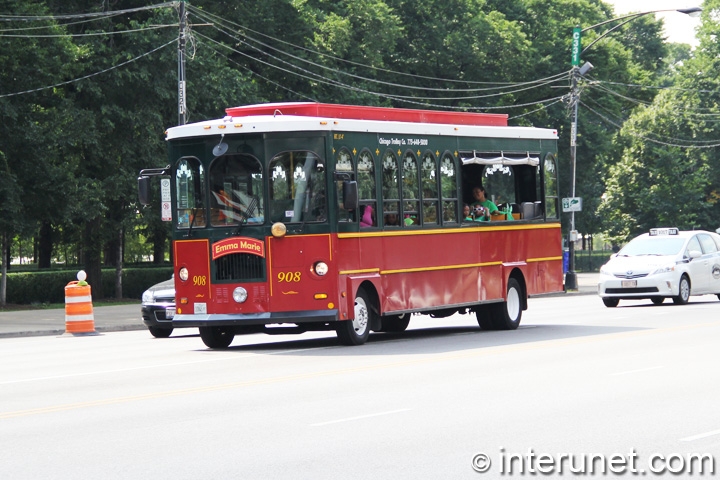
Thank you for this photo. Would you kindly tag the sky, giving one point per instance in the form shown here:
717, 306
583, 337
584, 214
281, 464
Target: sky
679, 27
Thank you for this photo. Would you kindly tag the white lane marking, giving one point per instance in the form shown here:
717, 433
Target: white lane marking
699, 436
635, 371
350, 419
160, 365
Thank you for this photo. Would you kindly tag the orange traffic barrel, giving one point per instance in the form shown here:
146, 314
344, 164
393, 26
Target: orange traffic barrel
79, 318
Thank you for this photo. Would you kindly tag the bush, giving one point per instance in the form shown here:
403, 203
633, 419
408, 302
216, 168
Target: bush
27, 288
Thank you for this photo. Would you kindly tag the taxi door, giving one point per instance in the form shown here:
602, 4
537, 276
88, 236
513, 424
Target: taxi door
711, 257
698, 267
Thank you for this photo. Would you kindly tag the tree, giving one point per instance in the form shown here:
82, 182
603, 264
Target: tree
667, 173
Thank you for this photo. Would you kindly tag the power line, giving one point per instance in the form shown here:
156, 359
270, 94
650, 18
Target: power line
31, 18
94, 34
214, 18
90, 75
411, 100
667, 144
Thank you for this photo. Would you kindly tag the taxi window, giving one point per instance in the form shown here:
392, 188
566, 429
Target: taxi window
693, 244
645, 245
708, 244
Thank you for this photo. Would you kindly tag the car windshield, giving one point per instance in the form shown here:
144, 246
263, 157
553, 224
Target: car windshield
653, 246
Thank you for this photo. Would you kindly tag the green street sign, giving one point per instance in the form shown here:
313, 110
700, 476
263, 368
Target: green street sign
576, 48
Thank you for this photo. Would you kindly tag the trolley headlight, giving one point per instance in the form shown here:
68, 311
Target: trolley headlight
183, 274
278, 230
321, 268
240, 295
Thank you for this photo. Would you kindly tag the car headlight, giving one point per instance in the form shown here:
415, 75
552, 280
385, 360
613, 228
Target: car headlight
148, 297
604, 270
665, 269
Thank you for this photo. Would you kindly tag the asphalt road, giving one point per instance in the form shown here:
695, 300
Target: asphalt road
575, 379
25, 323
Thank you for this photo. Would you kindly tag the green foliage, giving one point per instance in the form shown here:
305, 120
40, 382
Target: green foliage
69, 155
49, 287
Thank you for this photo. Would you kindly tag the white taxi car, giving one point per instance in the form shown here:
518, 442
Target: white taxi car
664, 263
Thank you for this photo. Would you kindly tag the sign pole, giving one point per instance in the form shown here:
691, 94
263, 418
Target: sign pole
571, 276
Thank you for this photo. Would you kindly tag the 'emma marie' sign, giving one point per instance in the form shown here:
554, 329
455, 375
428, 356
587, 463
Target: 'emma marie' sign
238, 245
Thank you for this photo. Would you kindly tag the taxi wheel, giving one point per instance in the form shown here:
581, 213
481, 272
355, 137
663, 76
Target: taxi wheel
159, 332
356, 331
611, 302
683, 292
657, 300
216, 337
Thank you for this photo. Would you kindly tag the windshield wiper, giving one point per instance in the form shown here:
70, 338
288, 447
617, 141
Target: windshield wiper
245, 215
192, 222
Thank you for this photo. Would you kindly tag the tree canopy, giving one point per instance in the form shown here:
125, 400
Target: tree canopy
87, 89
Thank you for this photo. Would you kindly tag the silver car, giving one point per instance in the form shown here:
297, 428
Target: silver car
664, 263
158, 308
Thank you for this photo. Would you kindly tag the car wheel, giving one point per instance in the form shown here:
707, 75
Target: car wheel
657, 300
683, 292
610, 302
216, 337
395, 323
356, 331
159, 332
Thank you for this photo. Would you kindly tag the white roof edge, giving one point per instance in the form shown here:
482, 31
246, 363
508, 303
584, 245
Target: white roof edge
288, 123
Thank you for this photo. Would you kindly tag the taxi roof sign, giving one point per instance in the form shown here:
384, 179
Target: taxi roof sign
663, 231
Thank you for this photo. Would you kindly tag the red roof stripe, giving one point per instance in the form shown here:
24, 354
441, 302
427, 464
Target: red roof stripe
355, 112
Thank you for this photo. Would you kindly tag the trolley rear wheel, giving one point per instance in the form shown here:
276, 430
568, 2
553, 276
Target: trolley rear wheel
356, 331
395, 323
503, 315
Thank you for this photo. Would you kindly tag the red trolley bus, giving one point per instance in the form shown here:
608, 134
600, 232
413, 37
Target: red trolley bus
293, 217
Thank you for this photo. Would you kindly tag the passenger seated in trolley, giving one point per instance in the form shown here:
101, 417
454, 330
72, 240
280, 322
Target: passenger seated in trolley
482, 208
367, 219
467, 217
391, 219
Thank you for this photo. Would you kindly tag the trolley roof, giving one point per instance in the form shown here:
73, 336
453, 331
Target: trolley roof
307, 116
355, 112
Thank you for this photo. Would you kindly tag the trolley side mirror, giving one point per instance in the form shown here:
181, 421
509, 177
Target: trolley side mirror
350, 195
144, 190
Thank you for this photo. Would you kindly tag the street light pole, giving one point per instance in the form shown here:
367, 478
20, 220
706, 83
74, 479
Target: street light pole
577, 71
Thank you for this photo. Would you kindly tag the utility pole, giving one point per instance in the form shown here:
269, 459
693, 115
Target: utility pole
182, 105
571, 276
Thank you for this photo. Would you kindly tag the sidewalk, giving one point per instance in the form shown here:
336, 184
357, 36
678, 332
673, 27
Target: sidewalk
587, 283
26, 323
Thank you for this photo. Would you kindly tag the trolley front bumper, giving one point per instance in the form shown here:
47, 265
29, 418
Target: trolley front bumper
220, 320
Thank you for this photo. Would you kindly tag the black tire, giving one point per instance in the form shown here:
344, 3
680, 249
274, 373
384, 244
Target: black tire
610, 302
485, 315
159, 332
683, 291
657, 300
504, 315
216, 337
356, 331
509, 313
395, 323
